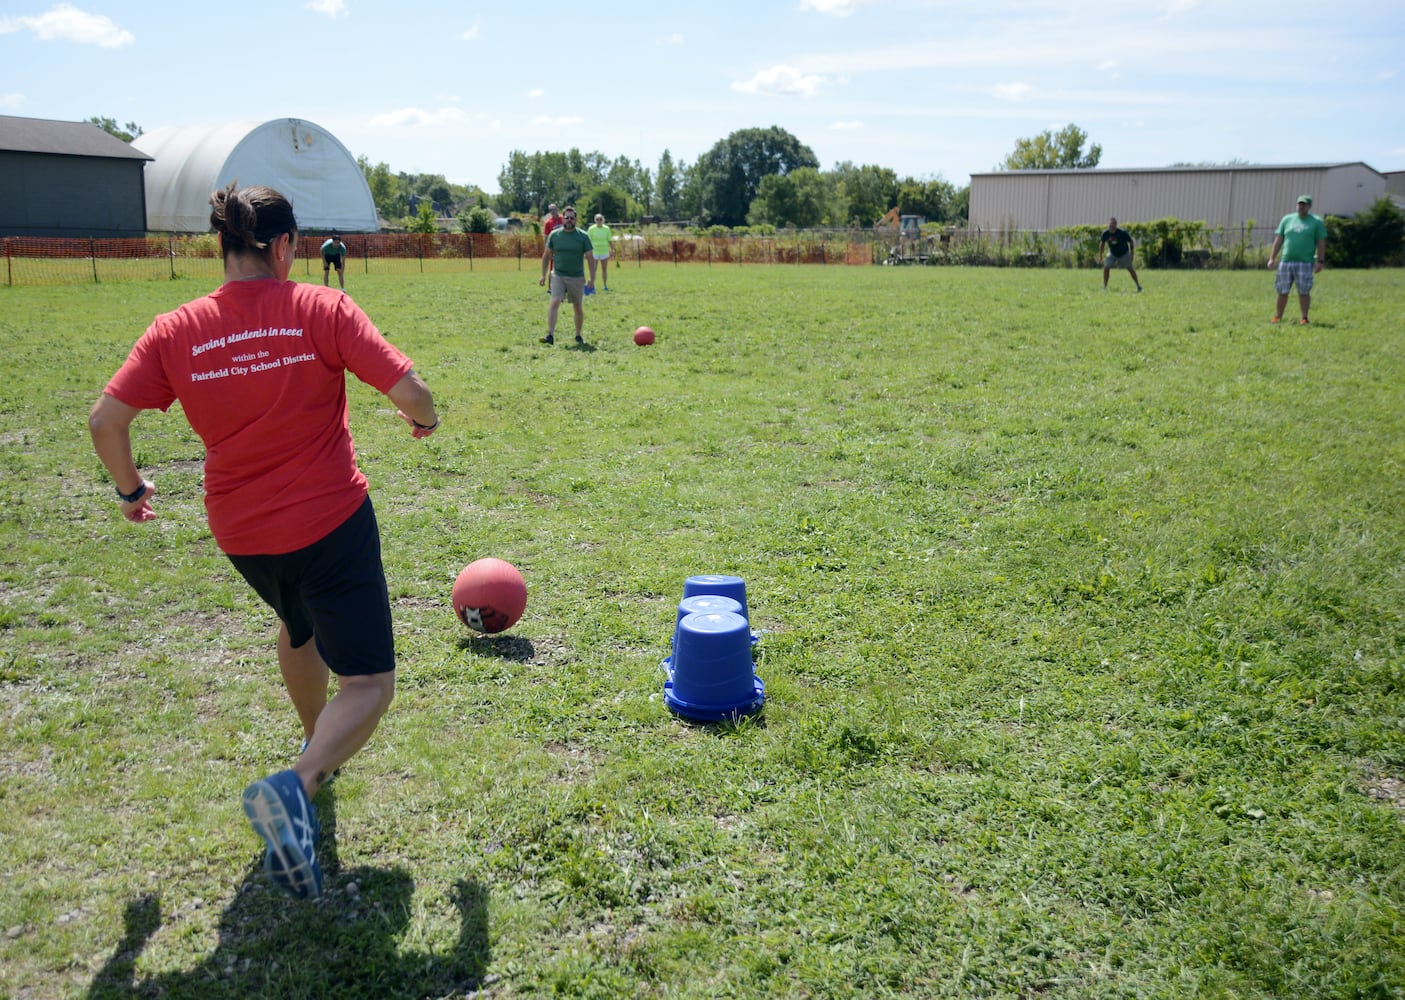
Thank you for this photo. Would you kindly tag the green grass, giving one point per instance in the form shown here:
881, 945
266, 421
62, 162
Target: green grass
1083, 641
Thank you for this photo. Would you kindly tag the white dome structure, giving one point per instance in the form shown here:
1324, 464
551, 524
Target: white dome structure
302, 160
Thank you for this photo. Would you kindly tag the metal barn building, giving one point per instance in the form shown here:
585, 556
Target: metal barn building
68, 179
1219, 196
302, 160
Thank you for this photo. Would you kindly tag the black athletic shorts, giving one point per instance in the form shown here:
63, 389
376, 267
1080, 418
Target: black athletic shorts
333, 591
331, 262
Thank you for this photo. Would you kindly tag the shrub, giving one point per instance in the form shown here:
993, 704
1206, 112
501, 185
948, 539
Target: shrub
1163, 241
476, 220
1374, 238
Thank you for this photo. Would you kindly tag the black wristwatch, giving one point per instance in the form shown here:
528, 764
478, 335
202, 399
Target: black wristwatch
131, 497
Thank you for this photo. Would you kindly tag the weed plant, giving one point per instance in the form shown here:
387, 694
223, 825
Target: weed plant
1082, 639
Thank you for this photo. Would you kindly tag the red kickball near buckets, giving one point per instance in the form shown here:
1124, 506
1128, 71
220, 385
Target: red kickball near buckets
711, 676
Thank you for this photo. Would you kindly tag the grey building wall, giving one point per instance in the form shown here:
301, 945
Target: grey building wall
1219, 196
42, 194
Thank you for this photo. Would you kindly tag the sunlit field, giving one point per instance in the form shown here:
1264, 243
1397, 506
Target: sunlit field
1082, 635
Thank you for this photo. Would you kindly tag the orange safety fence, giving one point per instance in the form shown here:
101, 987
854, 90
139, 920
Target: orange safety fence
26, 260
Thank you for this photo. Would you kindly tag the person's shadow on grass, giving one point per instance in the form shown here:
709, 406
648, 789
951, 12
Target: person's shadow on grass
343, 945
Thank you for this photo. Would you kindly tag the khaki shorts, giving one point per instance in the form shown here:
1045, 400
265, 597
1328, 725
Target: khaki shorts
571, 289
1124, 262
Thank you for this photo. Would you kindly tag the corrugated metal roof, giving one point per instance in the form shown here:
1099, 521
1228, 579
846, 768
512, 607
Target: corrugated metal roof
40, 135
1220, 168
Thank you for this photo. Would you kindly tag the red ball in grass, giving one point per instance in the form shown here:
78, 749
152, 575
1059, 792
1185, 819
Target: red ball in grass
490, 595
644, 336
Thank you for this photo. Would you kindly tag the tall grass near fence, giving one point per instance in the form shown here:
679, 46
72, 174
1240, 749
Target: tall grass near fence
1082, 642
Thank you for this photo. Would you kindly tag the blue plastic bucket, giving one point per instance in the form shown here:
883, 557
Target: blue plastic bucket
702, 603
710, 675
722, 586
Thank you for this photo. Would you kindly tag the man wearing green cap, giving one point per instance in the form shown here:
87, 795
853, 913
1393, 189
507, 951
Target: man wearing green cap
1302, 238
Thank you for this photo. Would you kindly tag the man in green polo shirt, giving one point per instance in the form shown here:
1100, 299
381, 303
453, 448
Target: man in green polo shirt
1302, 238
567, 250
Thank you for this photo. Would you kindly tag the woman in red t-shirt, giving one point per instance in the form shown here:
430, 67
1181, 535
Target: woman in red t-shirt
259, 366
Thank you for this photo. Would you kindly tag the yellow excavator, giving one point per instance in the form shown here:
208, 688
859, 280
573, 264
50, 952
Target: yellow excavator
909, 247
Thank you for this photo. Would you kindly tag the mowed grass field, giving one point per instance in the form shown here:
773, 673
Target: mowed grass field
1083, 624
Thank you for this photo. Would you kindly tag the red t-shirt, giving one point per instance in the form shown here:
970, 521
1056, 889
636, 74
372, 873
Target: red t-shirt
550, 223
259, 368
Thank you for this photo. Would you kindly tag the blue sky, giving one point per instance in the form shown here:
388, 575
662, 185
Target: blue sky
928, 88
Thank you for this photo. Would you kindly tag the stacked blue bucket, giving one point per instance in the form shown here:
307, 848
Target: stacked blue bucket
711, 676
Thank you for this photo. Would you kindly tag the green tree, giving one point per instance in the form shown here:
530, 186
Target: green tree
933, 199
1050, 150
423, 220
862, 194
432, 186
668, 186
800, 198
729, 175
391, 201
606, 199
960, 205
515, 184
126, 133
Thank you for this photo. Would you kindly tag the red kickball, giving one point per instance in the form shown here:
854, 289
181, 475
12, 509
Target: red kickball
490, 595
644, 336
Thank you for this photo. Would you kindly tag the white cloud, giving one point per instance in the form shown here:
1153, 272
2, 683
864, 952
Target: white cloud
781, 80
1106, 65
558, 122
332, 8
419, 118
65, 23
839, 8
11, 100
536, 92
470, 34
1386, 74
1011, 91
845, 126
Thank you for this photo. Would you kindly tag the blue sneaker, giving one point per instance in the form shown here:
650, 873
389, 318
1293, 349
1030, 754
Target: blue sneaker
280, 813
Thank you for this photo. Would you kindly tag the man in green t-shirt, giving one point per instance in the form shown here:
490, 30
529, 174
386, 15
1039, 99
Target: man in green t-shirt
1119, 245
600, 245
567, 250
334, 255
1302, 238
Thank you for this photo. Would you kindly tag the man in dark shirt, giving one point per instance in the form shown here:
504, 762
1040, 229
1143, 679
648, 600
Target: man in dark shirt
1119, 245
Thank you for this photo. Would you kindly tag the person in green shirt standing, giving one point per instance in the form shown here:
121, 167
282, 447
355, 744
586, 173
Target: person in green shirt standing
600, 245
1302, 238
567, 251
1119, 252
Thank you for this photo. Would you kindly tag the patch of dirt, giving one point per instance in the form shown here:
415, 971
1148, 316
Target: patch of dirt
1386, 788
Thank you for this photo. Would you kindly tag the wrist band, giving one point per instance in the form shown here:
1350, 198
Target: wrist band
424, 427
131, 497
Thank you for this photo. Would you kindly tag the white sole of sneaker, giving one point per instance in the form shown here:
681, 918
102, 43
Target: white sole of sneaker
285, 861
